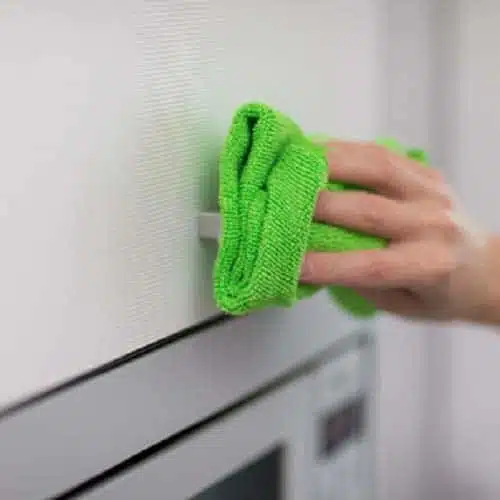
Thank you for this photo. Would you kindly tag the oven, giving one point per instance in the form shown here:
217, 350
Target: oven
305, 437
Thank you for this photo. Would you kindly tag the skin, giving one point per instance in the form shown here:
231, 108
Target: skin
436, 266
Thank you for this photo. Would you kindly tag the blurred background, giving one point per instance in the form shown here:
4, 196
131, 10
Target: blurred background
439, 412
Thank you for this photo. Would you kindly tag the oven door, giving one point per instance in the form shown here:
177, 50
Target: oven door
308, 437
262, 450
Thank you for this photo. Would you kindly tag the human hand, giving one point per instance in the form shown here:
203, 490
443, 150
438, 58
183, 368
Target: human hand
434, 265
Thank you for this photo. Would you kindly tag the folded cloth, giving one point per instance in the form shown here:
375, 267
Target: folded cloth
270, 175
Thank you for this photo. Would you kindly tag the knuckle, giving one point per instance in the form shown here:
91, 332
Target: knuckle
375, 152
446, 201
447, 226
436, 175
371, 212
442, 192
378, 270
445, 262
385, 165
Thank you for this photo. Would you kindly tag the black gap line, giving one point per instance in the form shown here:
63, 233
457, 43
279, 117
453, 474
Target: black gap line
114, 364
174, 439
342, 345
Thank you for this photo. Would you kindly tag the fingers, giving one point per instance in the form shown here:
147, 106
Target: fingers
375, 167
380, 216
398, 266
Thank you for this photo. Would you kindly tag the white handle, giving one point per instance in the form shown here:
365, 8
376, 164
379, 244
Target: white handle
209, 225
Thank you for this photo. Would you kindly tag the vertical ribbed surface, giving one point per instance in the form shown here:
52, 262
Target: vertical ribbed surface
109, 158
164, 289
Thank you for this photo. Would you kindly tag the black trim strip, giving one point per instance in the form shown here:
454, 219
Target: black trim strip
358, 341
113, 364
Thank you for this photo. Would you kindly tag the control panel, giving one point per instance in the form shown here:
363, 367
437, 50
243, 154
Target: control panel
341, 429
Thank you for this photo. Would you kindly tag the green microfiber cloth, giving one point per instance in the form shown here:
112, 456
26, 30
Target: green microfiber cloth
270, 177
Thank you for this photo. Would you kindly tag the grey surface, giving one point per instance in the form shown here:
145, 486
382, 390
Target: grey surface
113, 114
224, 447
467, 402
289, 416
76, 434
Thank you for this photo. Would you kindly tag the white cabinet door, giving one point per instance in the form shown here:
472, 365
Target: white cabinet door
112, 114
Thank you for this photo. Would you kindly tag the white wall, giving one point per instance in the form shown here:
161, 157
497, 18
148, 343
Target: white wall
470, 402
439, 411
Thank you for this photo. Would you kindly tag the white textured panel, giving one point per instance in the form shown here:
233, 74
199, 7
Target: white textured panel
112, 115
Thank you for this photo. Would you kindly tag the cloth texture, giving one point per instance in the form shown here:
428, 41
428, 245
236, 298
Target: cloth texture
270, 175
